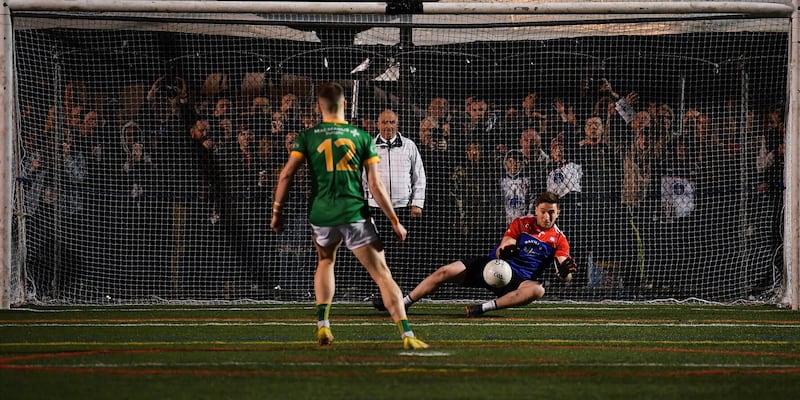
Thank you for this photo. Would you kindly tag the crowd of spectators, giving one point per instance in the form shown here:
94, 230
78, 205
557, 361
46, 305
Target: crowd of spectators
148, 170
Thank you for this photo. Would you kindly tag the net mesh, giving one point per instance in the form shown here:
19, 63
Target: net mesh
148, 148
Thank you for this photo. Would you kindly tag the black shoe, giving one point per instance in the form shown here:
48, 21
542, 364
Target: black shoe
474, 311
377, 302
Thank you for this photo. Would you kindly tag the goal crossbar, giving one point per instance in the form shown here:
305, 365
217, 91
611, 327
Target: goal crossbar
289, 7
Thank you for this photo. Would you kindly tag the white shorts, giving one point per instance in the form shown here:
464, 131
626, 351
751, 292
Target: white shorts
354, 234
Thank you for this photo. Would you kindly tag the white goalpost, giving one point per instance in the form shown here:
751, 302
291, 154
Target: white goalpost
687, 192
792, 198
6, 167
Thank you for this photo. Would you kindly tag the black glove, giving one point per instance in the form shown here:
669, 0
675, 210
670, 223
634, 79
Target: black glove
566, 267
508, 252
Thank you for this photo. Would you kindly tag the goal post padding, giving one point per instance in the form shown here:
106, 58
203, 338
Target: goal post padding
115, 201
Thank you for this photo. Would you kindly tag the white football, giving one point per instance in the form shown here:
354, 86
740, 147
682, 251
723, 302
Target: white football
497, 273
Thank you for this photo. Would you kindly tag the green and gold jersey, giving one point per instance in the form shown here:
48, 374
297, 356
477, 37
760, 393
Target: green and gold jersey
337, 153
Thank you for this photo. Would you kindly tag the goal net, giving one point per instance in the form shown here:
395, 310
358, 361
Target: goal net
147, 147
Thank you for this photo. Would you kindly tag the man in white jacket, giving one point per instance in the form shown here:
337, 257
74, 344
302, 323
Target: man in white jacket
400, 168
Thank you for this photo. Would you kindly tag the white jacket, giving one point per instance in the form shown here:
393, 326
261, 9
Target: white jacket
402, 172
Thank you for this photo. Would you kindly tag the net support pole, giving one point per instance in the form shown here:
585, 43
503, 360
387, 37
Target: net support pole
6, 158
792, 170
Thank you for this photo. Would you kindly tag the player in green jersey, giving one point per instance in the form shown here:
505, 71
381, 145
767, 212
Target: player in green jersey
337, 153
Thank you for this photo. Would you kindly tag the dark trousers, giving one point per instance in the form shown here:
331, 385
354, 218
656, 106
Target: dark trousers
402, 257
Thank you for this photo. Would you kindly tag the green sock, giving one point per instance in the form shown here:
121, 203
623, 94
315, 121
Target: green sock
323, 311
404, 328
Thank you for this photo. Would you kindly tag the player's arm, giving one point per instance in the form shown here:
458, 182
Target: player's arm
380, 196
282, 189
508, 245
507, 248
565, 266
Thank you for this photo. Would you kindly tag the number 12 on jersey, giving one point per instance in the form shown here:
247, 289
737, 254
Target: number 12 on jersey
345, 162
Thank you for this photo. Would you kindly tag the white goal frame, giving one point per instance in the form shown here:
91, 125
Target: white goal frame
791, 9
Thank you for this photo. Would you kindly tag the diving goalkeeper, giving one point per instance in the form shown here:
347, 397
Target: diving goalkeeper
529, 245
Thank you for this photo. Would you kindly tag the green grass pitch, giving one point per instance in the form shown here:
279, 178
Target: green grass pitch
543, 351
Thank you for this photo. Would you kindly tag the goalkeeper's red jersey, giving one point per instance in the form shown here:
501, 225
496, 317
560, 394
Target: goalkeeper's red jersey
537, 247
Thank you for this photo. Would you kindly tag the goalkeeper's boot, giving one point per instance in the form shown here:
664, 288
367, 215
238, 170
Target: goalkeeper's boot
474, 311
324, 336
377, 302
412, 343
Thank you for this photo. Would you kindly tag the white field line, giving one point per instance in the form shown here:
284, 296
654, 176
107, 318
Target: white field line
268, 308
416, 323
164, 309
401, 362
